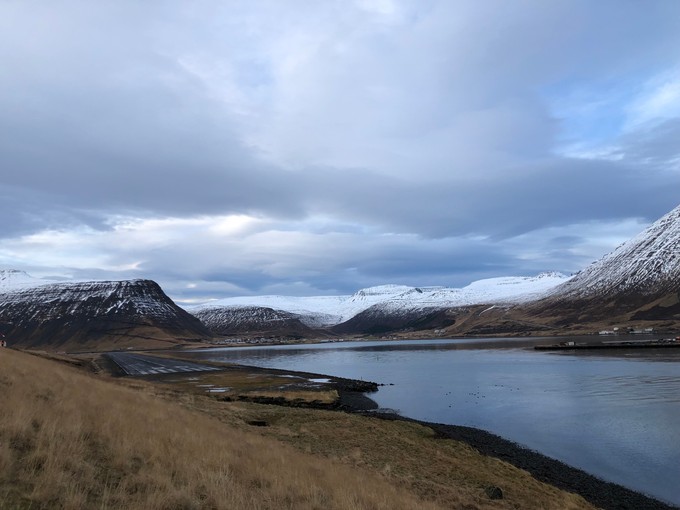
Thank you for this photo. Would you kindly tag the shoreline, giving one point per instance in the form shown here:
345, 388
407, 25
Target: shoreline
353, 398
603, 494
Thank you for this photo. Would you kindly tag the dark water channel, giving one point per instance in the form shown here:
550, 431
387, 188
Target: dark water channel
614, 414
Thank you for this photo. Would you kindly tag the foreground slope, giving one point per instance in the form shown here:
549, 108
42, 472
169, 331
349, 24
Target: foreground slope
95, 315
70, 440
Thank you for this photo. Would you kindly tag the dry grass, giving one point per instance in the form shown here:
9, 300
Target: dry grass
240, 382
323, 397
447, 472
71, 440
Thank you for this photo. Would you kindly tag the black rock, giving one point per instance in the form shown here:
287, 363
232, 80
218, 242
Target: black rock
493, 492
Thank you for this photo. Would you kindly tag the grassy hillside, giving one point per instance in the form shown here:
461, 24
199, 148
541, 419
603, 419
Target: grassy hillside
69, 439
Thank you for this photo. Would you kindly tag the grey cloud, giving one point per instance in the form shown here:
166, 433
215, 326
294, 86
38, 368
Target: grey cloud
655, 147
435, 124
402, 265
553, 192
137, 161
127, 128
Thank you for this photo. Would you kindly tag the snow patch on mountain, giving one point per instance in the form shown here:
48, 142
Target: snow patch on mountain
12, 280
323, 311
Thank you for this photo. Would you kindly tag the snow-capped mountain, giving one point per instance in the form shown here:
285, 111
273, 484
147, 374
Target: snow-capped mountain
639, 281
12, 279
327, 311
503, 290
252, 320
83, 313
647, 264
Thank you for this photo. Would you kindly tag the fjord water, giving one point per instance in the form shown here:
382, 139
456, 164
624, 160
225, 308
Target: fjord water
614, 414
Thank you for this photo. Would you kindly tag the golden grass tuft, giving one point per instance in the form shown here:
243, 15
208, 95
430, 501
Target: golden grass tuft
71, 440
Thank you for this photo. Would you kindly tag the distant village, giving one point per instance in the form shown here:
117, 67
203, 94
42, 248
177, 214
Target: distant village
627, 331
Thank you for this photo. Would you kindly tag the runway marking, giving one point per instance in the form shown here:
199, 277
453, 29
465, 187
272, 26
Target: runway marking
139, 364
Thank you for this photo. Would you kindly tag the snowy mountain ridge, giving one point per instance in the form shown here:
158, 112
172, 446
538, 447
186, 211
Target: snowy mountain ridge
80, 313
248, 319
112, 297
17, 288
324, 311
13, 279
648, 263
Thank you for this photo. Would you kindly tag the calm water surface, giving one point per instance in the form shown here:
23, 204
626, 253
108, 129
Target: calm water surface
615, 414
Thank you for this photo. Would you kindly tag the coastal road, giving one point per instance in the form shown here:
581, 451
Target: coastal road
139, 364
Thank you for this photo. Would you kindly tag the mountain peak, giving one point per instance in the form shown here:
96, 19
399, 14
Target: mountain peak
15, 279
648, 263
382, 290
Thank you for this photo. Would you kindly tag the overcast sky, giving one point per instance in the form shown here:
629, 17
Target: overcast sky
320, 146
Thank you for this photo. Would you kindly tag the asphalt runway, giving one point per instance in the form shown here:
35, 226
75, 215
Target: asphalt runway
139, 364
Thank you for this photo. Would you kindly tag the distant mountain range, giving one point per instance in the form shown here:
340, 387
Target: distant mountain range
373, 310
636, 285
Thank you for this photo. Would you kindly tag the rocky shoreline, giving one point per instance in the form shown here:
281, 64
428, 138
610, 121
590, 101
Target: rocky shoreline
605, 495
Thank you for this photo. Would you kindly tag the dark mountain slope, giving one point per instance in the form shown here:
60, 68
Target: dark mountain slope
639, 281
379, 320
254, 321
96, 315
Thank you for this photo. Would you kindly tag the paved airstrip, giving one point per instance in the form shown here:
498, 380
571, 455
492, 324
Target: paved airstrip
139, 364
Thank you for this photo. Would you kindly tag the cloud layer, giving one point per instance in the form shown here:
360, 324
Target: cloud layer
308, 147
